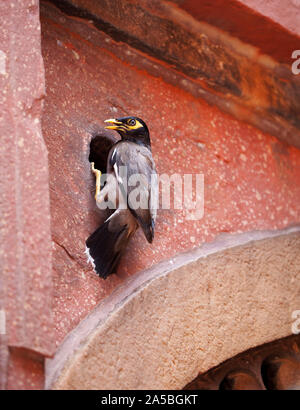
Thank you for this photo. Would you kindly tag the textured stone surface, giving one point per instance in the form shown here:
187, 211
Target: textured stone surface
251, 179
92, 75
167, 324
252, 79
25, 245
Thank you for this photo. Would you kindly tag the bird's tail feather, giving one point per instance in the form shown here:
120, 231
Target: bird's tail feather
104, 248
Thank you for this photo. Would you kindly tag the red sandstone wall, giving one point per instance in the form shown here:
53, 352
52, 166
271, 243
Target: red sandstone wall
250, 178
25, 247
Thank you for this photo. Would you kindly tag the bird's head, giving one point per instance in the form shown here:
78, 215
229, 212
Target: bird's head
130, 128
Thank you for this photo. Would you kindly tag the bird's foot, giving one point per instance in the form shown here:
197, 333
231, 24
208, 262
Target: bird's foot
98, 179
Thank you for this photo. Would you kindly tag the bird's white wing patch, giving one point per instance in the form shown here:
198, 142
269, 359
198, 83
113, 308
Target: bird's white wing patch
113, 156
89, 258
119, 179
153, 205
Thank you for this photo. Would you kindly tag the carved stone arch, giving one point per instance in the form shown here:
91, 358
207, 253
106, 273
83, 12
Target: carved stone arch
272, 366
185, 316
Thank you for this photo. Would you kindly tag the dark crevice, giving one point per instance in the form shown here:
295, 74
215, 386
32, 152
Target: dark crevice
65, 249
99, 148
69, 254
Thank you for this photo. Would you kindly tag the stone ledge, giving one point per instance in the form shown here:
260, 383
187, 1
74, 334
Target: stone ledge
198, 298
257, 88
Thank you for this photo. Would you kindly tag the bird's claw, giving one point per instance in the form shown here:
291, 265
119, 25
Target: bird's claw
94, 170
98, 179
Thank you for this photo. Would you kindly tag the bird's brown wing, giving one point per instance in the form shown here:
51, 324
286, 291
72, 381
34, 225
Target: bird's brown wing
135, 170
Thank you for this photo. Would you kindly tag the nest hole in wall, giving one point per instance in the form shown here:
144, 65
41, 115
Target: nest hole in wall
100, 146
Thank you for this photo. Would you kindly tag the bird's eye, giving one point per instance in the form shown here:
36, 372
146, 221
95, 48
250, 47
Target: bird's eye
131, 122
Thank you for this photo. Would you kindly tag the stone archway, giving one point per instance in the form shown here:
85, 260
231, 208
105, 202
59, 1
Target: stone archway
185, 316
272, 366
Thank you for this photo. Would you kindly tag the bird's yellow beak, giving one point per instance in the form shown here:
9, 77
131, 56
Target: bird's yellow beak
115, 124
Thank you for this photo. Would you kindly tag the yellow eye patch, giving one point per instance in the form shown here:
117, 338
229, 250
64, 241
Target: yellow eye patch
136, 126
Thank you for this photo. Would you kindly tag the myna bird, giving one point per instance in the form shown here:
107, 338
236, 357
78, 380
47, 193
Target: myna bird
106, 245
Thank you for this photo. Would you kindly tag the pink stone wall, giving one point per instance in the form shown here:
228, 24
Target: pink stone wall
25, 247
